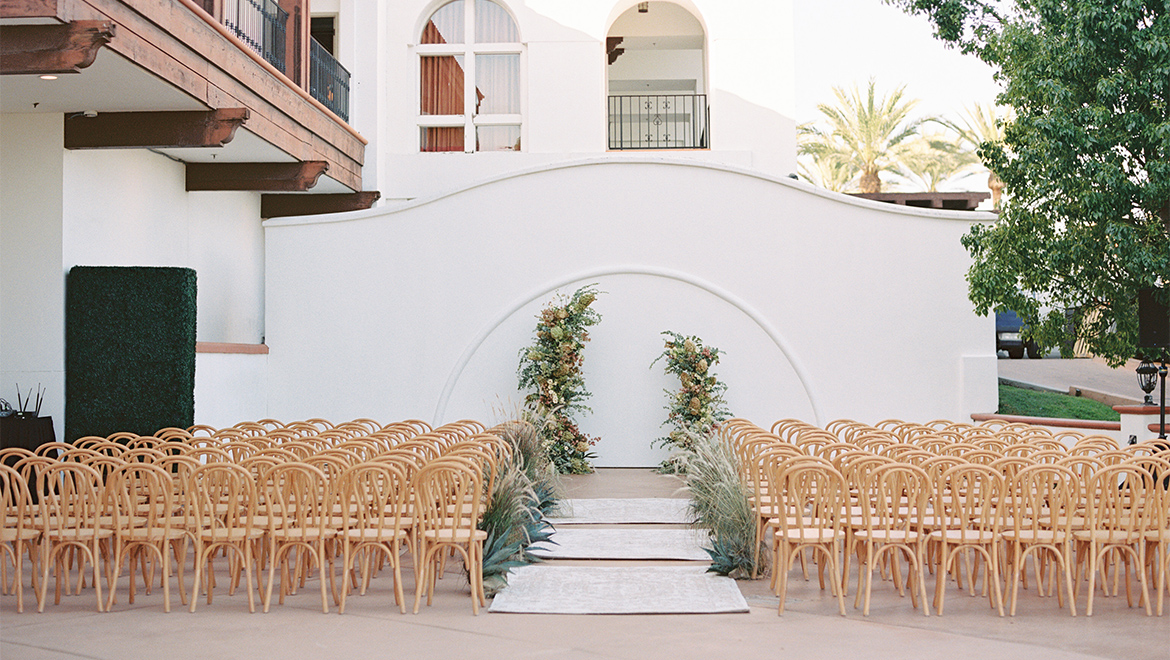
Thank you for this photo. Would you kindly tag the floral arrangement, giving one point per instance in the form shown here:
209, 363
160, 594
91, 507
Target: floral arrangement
697, 407
552, 366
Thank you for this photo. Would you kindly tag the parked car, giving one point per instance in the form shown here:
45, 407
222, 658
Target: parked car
1008, 327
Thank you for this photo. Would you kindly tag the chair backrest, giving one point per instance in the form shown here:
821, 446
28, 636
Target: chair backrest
15, 498
210, 454
1043, 498
10, 455
172, 433
147, 441
143, 496
376, 495
982, 456
894, 499
297, 496
972, 497
483, 456
1009, 466
224, 497
1121, 503
238, 449
71, 496
815, 492
446, 492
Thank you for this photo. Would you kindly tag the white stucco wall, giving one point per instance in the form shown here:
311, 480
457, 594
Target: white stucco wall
230, 388
826, 306
748, 76
61, 208
32, 286
130, 208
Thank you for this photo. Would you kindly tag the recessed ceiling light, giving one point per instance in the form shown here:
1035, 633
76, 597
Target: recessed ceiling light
48, 77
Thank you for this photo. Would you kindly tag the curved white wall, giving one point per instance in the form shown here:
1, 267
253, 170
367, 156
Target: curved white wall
826, 306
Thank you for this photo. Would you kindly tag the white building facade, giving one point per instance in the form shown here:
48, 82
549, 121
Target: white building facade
522, 148
648, 152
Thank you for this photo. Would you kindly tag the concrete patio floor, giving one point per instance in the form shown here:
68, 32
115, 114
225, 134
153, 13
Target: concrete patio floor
373, 627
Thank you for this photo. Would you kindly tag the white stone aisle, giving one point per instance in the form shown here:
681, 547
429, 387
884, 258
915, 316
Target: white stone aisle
556, 588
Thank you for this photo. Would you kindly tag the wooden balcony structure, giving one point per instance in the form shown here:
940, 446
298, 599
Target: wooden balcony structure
170, 76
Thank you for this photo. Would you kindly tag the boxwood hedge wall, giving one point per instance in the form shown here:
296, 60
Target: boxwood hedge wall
130, 350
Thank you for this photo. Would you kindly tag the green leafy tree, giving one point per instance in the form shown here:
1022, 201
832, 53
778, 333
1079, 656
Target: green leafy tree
866, 134
1085, 163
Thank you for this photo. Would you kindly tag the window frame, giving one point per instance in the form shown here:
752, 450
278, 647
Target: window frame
468, 49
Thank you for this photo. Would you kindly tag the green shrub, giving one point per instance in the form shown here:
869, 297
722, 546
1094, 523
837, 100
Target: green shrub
129, 350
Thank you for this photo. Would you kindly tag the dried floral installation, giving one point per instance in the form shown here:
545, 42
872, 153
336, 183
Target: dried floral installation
697, 407
552, 367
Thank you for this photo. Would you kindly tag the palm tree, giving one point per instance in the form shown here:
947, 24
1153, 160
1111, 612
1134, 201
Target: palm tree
977, 126
827, 173
933, 158
866, 134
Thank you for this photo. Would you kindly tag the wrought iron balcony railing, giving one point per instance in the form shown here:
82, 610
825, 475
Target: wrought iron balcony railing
328, 80
661, 121
261, 25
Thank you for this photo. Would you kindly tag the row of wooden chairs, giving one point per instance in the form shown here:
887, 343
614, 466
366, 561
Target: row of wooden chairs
148, 504
819, 494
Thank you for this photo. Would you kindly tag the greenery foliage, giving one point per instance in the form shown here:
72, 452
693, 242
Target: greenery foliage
719, 504
526, 490
1086, 221
697, 406
552, 366
1020, 401
129, 350
866, 135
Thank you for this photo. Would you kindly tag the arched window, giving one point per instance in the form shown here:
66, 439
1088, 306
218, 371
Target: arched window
469, 75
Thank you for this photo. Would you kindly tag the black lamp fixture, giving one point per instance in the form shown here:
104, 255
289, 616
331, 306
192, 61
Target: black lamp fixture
643, 7
1147, 375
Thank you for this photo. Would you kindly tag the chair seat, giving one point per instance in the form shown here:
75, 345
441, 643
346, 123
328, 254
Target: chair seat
384, 535
449, 535
963, 535
10, 534
1037, 536
85, 534
1107, 536
304, 533
887, 536
152, 534
230, 535
810, 535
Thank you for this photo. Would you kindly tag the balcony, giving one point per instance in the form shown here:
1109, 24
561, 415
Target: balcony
661, 121
221, 85
328, 80
264, 26
261, 24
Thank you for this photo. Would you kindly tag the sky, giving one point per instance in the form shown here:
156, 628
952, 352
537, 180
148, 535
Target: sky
842, 42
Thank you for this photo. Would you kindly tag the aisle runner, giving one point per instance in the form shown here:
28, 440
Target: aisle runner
616, 511
624, 544
620, 590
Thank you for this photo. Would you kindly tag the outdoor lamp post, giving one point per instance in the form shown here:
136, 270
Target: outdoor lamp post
1147, 374
1162, 409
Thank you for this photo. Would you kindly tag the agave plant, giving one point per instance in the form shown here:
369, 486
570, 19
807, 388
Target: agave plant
527, 488
719, 504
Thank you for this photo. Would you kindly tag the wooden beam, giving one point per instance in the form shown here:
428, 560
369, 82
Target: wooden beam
276, 177
29, 9
279, 206
122, 130
41, 49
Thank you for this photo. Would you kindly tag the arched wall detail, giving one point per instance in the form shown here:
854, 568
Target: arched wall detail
545, 289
